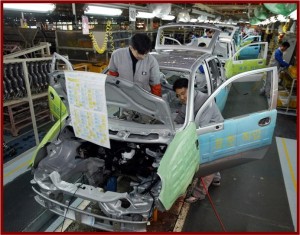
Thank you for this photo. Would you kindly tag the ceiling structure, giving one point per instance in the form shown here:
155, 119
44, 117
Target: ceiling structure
235, 11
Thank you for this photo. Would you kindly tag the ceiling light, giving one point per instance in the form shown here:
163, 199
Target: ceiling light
145, 15
97, 10
293, 15
202, 18
183, 16
273, 19
29, 7
281, 18
168, 17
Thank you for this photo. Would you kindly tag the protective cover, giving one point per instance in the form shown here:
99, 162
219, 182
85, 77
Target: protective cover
178, 165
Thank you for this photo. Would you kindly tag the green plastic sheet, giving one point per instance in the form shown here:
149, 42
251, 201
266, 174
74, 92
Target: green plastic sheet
281, 8
261, 13
254, 21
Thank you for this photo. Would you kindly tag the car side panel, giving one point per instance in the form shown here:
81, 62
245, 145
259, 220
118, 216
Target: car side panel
238, 135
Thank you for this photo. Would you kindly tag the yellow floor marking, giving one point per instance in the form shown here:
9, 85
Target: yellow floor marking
18, 168
181, 218
289, 163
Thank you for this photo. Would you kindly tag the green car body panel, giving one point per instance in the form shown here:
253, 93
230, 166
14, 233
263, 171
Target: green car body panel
178, 165
56, 106
59, 111
236, 67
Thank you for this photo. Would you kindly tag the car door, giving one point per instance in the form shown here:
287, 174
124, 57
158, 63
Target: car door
236, 64
250, 39
249, 121
215, 76
178, 165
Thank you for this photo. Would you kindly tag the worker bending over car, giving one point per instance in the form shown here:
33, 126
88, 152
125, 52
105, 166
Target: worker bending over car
135, 64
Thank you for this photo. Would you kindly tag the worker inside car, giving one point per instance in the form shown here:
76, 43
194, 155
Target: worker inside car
210, 115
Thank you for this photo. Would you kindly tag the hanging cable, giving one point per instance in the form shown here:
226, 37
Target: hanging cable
107, 36
213, 206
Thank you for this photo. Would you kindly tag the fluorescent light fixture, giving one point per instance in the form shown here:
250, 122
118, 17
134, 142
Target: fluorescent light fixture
183, 16
293, 15
265, 22
273, 19
145, 15
106, 11
202, 18
281, 18
168, 17
29, 7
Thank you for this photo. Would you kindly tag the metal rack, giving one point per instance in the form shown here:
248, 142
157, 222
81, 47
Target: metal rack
17, 115
19, 102
286, 108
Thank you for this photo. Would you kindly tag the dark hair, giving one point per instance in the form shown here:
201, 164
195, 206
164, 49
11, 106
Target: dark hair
208, 31
141, 43
202, 44
285, 44
180, 83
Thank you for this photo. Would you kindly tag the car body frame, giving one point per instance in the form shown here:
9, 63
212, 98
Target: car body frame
153, 158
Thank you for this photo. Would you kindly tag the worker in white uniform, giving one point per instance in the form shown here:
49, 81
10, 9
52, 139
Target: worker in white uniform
210, 115
135, 64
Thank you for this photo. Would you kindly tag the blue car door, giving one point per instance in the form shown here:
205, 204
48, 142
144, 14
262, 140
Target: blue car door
248, 126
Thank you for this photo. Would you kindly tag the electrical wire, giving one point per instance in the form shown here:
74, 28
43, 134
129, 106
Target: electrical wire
153, 198
72, 197
213, 206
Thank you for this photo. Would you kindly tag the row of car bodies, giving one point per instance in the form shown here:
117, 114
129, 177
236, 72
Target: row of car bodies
153, 158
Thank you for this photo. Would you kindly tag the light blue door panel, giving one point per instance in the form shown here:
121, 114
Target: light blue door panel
221, 98
238, 135
250, 52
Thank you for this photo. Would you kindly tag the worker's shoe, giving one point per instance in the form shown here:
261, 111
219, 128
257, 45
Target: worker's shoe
217, 179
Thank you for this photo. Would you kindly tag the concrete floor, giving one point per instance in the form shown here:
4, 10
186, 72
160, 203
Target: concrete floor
251, 198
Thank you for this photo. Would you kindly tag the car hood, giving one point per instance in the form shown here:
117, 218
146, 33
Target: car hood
126, 95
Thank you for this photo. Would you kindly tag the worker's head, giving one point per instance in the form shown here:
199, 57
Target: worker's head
284, 46
180, 87
140, 45
209, 33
